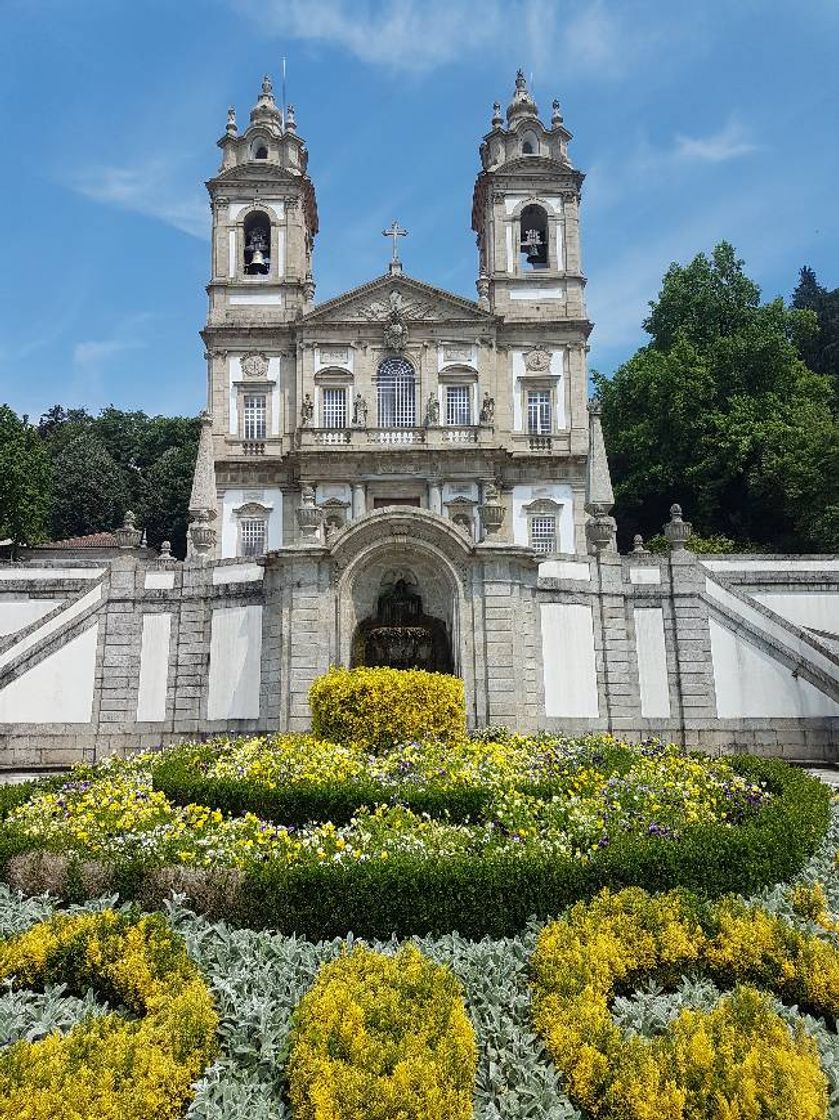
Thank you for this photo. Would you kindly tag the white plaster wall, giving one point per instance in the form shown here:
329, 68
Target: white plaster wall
816, 610
568, 660
75, 608
154, 667
511, 256
560, 492
159, 580
267, 299
16, 614
271, 496
231, 253
644, 575
518, 371
58, 689
652, 662
235, 663
242, 572
275, 206
340, 490
749, 682
48, 574
552, 202
566, 569
531, 291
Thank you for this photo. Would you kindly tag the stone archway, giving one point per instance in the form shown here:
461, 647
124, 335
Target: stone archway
403, 569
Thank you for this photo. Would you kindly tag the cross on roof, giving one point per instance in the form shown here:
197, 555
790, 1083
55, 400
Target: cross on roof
395, 232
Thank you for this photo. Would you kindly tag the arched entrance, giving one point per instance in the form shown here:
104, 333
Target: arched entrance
400, 634
404, 592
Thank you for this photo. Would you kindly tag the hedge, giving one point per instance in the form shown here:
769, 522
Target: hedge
492, 896
384, 707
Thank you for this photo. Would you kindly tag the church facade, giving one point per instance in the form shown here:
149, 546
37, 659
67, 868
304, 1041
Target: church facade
397, 393
402, 476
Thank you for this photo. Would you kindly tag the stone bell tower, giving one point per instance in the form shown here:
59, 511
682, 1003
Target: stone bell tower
264, 219
525, 213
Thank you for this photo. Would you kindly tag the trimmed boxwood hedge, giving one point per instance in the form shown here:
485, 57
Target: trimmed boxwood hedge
495, 896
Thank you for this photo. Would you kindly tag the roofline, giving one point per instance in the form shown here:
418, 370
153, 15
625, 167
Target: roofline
428, 289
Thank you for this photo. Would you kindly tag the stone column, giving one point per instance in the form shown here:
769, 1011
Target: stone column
359, 500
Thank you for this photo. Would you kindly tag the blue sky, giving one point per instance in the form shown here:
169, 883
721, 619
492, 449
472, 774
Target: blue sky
693, 121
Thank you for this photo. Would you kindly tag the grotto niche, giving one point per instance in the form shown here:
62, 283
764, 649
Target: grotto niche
400, 635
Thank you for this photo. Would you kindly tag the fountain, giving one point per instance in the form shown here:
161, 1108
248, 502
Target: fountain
400, 635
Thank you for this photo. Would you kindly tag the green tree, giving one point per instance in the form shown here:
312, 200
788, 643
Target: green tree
165, 509
90, 491
24, 481
820, 349
720, 413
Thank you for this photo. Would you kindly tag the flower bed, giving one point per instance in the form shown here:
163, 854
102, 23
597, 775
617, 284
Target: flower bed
259, 978
739, 1059
383, 1034
109, 1067
553, 821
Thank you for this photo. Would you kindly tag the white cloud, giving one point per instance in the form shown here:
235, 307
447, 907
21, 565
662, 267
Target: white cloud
730, 142
128, 334
146, 188
422, 35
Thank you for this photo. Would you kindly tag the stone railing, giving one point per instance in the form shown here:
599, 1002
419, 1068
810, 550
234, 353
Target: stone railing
434, 436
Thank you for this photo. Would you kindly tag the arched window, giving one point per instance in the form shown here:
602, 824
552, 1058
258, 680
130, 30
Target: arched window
530, 144
534, 237
396, 385
257, 244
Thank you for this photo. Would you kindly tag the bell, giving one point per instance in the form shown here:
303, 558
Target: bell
531, 244
258, 261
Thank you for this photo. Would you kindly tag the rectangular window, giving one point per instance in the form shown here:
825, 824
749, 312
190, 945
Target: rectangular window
253, 536
543, 534
255, 414
458, 410
334, 408
539, 411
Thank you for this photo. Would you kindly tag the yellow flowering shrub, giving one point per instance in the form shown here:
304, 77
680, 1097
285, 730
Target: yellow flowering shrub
381, 708
739, 1061
382, 1038
109, 1067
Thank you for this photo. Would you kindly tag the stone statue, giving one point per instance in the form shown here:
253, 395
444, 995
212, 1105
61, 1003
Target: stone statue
395, 333
432, 411
307, 412
487, 409
359, 411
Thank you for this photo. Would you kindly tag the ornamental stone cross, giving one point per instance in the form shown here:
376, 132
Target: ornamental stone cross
395, 232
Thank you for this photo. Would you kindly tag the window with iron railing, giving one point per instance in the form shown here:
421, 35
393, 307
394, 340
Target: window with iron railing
543, 534
334, 411
255, 416
539, 411
458, 405
396, 391
253, 534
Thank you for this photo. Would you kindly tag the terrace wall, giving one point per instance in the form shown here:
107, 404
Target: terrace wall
723, 653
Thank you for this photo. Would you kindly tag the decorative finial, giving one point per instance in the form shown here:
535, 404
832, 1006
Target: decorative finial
165, 551
290, 121
521, 81
522, 104
556, 113
677, 530
232, 128
638, 546
496, 114
267, 86
395, 232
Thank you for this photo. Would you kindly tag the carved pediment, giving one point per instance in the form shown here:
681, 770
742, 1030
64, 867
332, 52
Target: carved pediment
412, 300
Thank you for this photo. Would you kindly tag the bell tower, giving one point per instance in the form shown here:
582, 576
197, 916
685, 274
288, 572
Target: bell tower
264, 219
525, 212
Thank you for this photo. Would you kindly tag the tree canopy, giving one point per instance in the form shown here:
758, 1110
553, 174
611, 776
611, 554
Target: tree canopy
96, 467
720, 412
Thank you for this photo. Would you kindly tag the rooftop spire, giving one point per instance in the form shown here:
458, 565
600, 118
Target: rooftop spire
522, 104
266, 109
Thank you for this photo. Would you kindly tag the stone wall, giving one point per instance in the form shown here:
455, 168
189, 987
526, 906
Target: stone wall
717, 652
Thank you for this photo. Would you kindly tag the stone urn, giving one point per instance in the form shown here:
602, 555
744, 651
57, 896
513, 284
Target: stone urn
128, 535
203, 537
676, 530
492, 517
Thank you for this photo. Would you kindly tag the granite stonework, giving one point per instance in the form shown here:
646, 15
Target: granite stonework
721, 653
400, 467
